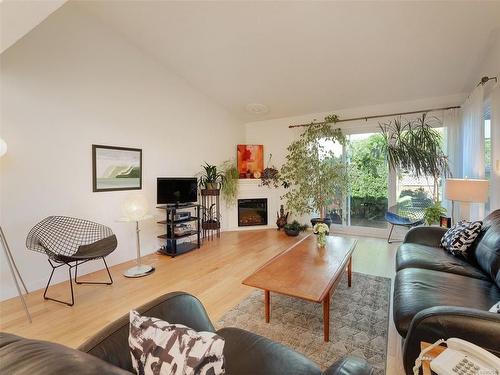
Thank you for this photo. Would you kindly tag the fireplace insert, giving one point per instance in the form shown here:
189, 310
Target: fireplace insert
252, 212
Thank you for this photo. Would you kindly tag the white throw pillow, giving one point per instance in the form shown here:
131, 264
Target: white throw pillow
461, 236
160, 348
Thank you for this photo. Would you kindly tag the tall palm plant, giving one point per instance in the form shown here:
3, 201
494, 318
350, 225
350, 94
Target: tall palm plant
416, 147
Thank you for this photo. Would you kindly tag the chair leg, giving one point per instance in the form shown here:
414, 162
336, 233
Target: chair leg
94, 282
390, 233
70, 285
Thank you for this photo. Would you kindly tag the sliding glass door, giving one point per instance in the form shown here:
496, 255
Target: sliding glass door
366, 203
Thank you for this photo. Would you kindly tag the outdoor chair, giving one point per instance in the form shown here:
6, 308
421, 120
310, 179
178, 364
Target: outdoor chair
71, 242
407, 212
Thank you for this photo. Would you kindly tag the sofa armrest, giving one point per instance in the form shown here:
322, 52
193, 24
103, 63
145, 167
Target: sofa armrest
111, 343
350, 366
480, 327
248, 353
19, 355
430, 236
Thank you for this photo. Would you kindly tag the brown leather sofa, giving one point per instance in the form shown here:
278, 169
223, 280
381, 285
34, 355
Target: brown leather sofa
438, 295
107, 352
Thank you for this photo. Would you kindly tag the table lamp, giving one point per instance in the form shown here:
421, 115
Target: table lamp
135, 209
466, 191
10, 259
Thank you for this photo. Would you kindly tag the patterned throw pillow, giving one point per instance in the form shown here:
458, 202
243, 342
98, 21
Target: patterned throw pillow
160, 348
460, 237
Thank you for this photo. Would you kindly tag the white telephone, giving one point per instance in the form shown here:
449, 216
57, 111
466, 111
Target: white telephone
463, 358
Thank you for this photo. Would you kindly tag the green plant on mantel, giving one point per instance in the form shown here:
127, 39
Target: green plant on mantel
229, 188
433, 213
312, 173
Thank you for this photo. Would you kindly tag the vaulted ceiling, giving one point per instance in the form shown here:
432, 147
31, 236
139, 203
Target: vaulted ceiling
305, 57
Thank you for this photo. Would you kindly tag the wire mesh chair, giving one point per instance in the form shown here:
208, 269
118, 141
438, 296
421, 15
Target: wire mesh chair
406, 213
70, 241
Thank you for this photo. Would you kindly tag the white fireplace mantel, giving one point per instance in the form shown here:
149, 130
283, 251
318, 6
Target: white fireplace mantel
248, 189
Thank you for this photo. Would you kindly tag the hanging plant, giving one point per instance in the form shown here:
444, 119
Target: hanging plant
229, 188
270, 175
312, 172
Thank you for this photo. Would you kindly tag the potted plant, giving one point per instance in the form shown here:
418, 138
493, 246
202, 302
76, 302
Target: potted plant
294, 228
433, 213
211, 178
415, 146
312, 173
229, 188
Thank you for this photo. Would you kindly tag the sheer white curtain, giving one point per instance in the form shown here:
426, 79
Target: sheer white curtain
472, 136
452, 122
495, 148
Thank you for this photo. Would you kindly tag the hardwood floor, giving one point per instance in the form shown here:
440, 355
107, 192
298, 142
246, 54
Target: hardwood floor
212, 273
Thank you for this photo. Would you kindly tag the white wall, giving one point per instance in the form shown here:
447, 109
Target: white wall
276, 136
71, 83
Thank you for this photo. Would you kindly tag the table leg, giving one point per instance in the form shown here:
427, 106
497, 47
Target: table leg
349, 272
267, 301
326, 318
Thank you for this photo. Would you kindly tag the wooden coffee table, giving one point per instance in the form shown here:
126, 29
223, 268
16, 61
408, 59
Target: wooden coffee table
307, 272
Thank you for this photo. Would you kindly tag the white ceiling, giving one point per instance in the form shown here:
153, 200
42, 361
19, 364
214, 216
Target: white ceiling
306, 57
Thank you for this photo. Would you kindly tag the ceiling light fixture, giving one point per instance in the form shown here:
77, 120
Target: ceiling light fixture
257, 108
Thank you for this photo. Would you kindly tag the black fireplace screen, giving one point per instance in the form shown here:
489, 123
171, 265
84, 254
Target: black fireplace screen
252, 212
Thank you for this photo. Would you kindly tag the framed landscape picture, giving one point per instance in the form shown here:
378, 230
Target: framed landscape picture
250, 161
116, 168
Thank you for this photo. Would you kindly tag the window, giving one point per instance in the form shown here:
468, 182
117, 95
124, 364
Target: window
487, 156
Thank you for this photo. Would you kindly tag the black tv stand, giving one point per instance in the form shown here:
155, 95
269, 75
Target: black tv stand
183, 243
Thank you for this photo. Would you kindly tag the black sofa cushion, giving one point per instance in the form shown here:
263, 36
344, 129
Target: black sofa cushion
412, 255
486, 251
418, 289
248, 353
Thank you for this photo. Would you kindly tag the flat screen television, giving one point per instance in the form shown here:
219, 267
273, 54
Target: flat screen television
176, 190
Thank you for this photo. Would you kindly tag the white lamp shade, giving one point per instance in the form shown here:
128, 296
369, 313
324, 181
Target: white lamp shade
3, 147
466, 190
135, 207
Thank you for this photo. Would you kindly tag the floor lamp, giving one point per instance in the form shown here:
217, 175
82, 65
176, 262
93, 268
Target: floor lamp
135, 210
465, 191
8, 255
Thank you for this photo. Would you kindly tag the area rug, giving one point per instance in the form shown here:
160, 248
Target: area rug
359, 319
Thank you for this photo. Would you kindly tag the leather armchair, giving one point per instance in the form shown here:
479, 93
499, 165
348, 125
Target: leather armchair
107, 352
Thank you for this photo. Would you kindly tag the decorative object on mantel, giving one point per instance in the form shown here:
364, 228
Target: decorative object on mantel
116, 168
282, 218
294, 228
250, 160
321, 229
135, 209
270, 175
230, 186
210, 206
312, 173
211, 178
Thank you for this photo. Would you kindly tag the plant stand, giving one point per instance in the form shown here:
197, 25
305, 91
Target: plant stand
210, 222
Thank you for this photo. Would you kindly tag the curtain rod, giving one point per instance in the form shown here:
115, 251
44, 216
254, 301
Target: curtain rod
379, 116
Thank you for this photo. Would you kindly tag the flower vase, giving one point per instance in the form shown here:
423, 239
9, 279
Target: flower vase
321, 239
